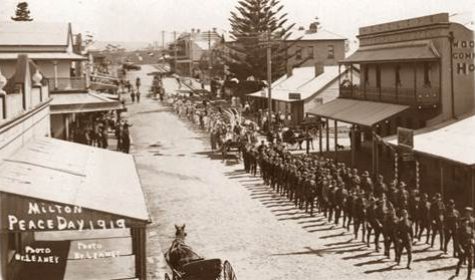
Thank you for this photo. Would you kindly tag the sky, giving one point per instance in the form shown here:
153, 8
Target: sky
144, 20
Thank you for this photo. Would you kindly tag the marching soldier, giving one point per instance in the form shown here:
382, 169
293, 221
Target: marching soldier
465, 246
311, 194
451, 226
405, 236
360, 215
390, 231
332, 199
437, 210
380, 187
424, 217
341, 197
349, 208
413, 208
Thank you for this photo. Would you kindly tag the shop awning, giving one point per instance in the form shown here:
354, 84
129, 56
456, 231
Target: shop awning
66, 103
454, 141
44, 56
414, 50
365, 113
60, 172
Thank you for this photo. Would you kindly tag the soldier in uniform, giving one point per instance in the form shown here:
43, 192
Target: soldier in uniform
451, 219
349, 208
390, 230
465, 235
380, 187
423, 215
437, 210
405, 236
413, 208
341, 197
360, 215
381, 211
332, 199
393, 193
312, 192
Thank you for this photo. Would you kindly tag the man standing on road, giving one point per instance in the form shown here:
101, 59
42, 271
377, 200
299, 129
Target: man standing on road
137, 86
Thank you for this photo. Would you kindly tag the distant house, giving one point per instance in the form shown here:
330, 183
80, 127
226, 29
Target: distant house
306, 47
302, 90
51, 47
191, 47
314, 45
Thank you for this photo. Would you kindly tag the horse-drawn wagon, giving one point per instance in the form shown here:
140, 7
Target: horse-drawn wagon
187, 265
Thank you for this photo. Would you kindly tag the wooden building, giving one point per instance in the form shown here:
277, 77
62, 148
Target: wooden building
67, 211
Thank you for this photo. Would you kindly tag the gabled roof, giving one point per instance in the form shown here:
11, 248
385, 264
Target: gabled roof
321, 34
34, 33
302, 81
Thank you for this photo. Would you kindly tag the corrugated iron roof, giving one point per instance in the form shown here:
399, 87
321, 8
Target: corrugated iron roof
454, 141
82, 102
365, 113
43, 56
302, 81
321, 34
33, 33
414, 50
75, 174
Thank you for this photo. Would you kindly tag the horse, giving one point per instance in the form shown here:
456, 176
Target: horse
180, 254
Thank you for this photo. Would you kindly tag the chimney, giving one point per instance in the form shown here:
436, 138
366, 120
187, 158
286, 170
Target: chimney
214, 29
192, 30
198, 31
301, 28
313, 28
289, 71
319, 68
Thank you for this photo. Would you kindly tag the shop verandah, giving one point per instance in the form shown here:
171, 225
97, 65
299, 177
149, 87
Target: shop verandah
368, 121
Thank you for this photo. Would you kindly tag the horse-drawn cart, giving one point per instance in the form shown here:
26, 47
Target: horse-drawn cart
187, 265
212, 269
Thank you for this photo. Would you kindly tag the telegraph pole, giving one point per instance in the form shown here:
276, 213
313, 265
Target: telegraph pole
175, 49
269, 77
209, 55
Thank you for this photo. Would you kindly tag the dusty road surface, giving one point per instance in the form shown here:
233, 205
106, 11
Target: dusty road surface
231, 215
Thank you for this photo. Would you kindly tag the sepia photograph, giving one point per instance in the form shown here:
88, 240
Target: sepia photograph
237, 139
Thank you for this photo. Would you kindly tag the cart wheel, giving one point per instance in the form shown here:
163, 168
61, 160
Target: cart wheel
228, 271
167, 277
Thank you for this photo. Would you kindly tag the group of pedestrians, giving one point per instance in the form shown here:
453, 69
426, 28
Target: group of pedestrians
123, 136
393, 213
134, 91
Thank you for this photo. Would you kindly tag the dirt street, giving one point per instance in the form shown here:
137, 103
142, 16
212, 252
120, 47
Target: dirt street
231, 215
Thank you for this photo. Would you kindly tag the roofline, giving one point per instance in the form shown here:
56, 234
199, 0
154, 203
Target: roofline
435, 156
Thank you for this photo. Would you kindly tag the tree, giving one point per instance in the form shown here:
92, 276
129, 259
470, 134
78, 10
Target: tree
22, 12
253, 23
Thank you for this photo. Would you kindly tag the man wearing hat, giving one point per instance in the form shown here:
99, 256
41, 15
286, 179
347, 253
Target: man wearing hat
341, 197
405, 236
465, 252
451, 219
360, 215
437, 210
423, 215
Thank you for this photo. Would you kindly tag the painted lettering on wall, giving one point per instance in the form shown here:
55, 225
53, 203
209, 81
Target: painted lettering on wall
463, 55
93, 250
61, 223
37, 255
37, 216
